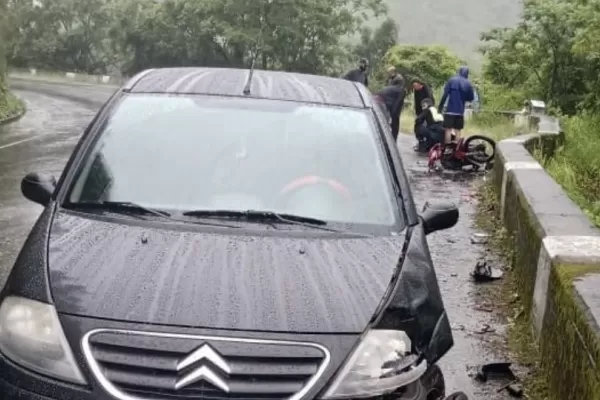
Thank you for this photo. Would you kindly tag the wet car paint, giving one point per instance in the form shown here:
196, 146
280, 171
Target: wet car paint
55, 121
240, 282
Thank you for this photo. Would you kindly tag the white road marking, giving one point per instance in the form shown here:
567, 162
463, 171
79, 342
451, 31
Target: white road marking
18, 142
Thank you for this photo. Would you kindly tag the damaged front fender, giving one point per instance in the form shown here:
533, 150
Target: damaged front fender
415, 304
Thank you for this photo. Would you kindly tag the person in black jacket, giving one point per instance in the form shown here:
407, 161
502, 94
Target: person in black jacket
391, 74
422, 91
429, 128
359, 74
393, 97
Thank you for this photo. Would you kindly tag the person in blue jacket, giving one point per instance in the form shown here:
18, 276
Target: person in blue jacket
457, 92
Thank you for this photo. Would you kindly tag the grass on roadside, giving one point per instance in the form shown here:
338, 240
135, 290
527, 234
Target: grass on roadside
576, 165
497, 127
10, 107
521, 343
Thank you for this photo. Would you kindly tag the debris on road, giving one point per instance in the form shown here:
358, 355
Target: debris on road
496, 371
483, 308
515, 390
485, 328
480, 238
483, 272
458, 327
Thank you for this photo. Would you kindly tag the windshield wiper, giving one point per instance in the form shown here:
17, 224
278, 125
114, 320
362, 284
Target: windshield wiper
136, 208
265, 216
120, 206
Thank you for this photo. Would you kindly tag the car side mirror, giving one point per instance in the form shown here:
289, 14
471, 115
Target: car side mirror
38, 187
439, 216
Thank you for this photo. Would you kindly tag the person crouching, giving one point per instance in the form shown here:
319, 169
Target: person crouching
429, 128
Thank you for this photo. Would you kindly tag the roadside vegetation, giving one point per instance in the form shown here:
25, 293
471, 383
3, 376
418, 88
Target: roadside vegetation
10, 106
576, 165
521, 342
554, 54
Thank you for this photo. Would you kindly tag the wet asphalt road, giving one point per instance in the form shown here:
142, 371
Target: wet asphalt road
58, 114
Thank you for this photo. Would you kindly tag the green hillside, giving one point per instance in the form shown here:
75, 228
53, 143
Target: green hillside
455, 23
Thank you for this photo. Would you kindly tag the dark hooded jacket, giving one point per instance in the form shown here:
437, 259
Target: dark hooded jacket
393, 96
420, 95
457, 92
357, 75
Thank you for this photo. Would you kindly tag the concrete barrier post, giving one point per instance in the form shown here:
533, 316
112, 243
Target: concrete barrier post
468, 114
581, 250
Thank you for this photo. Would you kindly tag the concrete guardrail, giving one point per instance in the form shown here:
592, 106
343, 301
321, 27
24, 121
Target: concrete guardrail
556, 263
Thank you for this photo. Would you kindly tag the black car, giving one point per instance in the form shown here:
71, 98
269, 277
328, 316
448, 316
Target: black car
227, 234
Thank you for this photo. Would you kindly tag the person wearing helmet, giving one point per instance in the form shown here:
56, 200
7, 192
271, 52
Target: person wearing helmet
429, 128
359, 74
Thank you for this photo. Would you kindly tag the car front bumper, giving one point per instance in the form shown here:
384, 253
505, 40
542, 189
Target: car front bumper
18, 383
11, 392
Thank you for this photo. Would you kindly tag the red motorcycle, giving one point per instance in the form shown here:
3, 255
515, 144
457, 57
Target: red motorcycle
475, 151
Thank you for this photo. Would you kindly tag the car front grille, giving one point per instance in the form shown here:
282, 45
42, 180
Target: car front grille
152, 366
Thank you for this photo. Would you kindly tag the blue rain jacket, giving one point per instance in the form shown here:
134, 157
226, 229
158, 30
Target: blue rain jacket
457, 92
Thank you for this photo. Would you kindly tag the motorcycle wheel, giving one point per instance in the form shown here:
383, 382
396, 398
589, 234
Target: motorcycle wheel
480, 159
434, 383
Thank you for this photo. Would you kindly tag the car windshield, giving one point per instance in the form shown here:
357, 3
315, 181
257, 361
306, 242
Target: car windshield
202, 153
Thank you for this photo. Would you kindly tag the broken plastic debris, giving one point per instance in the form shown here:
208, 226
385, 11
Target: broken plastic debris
479, 238
483, 272
483, 308
515, 390
484, 329
497, 370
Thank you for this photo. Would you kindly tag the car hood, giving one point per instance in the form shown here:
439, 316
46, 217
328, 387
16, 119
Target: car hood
159, 276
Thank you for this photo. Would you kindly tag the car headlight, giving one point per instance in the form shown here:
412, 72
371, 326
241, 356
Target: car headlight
31, 336
381, 363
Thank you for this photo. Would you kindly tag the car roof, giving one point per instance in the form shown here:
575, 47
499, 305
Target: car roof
274, 85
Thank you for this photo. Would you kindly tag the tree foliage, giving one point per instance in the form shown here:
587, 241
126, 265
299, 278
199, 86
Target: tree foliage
553, 53
433, 64
374, 44
4, 37
97, 36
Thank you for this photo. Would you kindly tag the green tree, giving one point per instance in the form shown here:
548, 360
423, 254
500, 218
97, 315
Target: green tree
374, 44
9, 104
296, 35
96, 35
551, 53
433, 64
4, 35
66, 35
